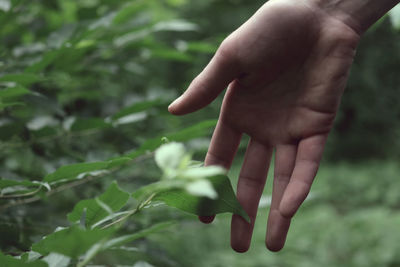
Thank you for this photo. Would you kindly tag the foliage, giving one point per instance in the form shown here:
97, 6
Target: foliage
84, 89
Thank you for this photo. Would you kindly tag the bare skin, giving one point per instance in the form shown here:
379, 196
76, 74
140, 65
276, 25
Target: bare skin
286, 69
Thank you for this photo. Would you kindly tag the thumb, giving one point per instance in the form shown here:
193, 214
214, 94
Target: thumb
221, 70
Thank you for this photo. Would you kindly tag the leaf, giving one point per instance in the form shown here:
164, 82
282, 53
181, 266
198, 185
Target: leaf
202, 47
202, 188
8, 261
9, 183
138, 107
170, 54
114, 198
175, 25
71, 242
197, 130
6, 105
175, 196
48, 58
71, 171
118, 161
24, 79
170, 156
13, 92
5, 5
57, 260
128, 11
89, 124
119, 241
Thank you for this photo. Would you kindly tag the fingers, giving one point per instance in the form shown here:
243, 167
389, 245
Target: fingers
250, 187
222, 150
278, 225
309, 155
221, 70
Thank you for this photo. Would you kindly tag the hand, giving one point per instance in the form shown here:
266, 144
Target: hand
286, 68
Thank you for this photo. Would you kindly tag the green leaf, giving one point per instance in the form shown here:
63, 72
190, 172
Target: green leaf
89, 124
46, 60
6, 105
201, 188
71, 242
8, 261
122, 240
24, 79
198, 130
175, 196
170, 156
202, 47
171, 54
57, 260
114, 198
68, 172
177, 25
128, 11
13, 92
138, 107
116, 162
9, 183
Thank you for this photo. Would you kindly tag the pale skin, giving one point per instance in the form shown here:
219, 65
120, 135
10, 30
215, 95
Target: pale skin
286, 69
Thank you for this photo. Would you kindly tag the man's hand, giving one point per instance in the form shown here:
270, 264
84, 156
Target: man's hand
286, 68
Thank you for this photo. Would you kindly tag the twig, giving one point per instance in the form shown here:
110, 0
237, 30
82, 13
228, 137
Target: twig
22, 195
134, 211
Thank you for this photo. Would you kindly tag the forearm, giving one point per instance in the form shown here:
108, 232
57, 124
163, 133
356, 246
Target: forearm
358, 14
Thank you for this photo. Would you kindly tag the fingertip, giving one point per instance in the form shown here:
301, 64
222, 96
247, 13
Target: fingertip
241, 232
207, 219
277, 230
274, 246
240, 248
173, 107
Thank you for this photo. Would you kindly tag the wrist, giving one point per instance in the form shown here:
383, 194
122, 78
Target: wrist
357, 14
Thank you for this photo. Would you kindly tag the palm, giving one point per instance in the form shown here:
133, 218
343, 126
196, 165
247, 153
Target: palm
286, 68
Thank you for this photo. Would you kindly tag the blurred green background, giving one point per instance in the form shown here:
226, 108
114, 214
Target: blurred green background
85, 61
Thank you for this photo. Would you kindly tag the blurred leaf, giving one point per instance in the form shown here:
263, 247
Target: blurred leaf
170, 156
114, 198
72, 241
5, 5
6, 105
128, 11
89, 124
68, 172
8, 261
57, 260
8, 183
138, 107
24, 79
201, 188
175, 25
171, 54
202, 47
46, 60
12, 92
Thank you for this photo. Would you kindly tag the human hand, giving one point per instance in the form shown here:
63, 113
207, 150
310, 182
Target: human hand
286, 68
